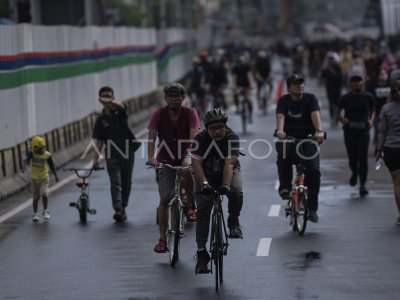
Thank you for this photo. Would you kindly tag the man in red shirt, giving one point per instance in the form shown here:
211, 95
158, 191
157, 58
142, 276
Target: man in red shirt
175, 127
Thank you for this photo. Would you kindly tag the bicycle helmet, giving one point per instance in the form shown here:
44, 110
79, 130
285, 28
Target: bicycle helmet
215, 115
174, 87
38, 143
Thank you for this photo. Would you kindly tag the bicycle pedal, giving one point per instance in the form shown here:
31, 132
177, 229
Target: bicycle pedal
72, 204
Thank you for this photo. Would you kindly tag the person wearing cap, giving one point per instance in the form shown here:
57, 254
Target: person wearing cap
359, 112
298, 116
216, 166
175, 126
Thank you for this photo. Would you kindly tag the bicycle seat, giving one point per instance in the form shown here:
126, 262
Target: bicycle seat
80, 183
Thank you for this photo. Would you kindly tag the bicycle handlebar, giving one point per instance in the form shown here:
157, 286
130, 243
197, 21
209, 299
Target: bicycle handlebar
162, 165
77, 170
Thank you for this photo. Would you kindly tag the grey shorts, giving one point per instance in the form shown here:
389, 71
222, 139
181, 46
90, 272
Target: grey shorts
166, 179
40, 188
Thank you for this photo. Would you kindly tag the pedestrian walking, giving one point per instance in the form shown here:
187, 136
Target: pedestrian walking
358, 118
112, 131
39, 161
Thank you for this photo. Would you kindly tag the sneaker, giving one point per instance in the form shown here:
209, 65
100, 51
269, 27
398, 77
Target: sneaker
46, 215
313, 216
35, 217
124, 215
118, 216
353, 179
161, 247
203, 258
363, 191
235, 232
285, 194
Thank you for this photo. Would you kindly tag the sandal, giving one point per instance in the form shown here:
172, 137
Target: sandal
161, 247
192, 215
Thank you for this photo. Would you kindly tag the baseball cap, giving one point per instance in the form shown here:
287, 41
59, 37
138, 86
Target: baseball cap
294, 78
356, 73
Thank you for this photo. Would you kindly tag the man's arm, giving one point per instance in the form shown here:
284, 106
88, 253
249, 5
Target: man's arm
197, 166
96, 155
383, 132
316, 120
228, 170
151, 147
280, 123
52, 168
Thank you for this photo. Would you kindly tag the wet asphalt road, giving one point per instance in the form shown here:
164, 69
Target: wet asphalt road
352, 253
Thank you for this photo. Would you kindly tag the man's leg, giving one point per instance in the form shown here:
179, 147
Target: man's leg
285, 167
351, 140
126, 179
114, 173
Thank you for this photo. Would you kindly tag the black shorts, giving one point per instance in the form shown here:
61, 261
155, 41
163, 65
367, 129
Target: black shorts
392, 158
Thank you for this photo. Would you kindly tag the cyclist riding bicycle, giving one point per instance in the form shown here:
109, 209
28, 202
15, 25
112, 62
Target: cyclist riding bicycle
216, 166
175, 126
242, 83
298, 115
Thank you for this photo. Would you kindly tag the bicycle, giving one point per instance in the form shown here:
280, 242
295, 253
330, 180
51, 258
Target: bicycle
83, 204
176, 208
219, 240
297, 207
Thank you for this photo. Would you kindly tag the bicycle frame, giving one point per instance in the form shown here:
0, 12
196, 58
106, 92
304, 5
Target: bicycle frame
218, 239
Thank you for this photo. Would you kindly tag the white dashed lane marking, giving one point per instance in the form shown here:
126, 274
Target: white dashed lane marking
263, 247
274, 210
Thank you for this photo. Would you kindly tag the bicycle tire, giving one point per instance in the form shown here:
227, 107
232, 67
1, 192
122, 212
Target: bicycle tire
302, 215
174, 234
244, 115
83, 208
218, 253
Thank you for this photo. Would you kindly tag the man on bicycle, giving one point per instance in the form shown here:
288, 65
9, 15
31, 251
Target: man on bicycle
298, 116
175, 127
216, 166
242, 80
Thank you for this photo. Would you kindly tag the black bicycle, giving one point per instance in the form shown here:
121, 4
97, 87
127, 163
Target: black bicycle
218, 240
83, 204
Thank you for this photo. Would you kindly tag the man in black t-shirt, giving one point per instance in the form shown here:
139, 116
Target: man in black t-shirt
359, 113
298, 116
216, 166
111, 129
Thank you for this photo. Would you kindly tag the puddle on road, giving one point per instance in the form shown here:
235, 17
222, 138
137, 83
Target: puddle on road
309, 258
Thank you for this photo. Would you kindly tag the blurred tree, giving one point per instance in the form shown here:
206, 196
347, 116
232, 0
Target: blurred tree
134, 14
4, 9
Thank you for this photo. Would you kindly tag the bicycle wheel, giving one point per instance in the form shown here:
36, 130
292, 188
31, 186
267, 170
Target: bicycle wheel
83, 207
244, 114
302, 215
173, 234
218, 253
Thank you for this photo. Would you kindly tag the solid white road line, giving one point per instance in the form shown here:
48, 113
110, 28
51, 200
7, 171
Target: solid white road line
263, 247
53, 188
274, 210
276, 184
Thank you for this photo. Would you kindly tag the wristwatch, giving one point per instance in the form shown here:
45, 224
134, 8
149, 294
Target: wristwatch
319, 130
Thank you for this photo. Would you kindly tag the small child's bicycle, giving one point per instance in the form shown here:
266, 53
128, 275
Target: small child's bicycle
83, 204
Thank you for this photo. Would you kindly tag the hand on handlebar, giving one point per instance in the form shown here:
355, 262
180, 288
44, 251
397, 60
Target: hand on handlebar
207, 190
319, 137
281, 135
153, 162
223, 190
